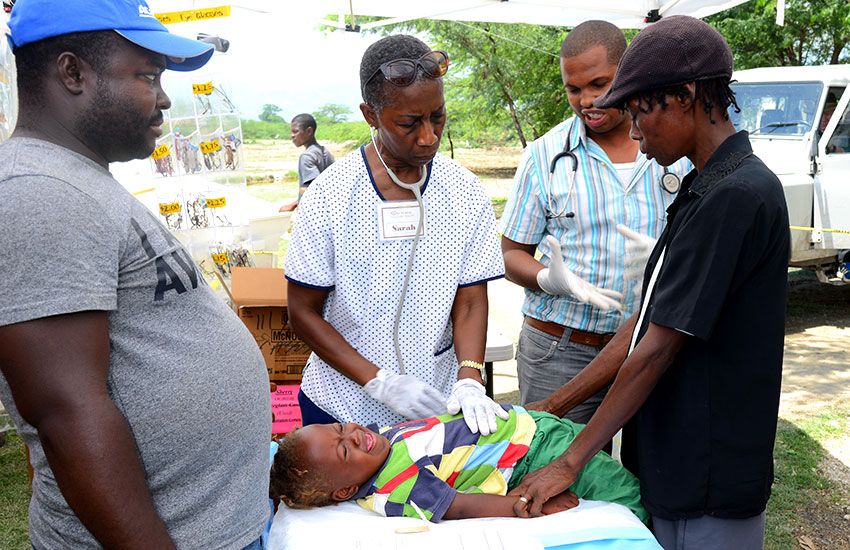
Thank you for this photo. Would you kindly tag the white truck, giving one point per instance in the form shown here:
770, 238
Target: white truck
798, 119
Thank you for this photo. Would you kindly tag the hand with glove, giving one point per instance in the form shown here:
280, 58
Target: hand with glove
406, 395
557, 279
638, 249
479, 411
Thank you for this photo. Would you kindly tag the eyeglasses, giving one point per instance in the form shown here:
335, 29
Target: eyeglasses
402, 72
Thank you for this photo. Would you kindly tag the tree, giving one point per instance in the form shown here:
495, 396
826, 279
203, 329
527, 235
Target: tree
271, 113
504, 79
815, 32
332, 113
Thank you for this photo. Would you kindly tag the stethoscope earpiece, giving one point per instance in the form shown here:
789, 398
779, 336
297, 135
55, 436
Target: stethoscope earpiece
670, 182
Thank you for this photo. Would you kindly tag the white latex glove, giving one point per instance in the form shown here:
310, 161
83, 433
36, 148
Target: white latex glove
557, 279
406, 395
638, 249
479, 411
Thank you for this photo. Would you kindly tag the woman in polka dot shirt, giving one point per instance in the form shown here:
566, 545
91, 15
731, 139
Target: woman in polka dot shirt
348, 258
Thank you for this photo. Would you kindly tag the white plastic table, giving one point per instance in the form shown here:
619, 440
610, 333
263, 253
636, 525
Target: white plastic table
498, 348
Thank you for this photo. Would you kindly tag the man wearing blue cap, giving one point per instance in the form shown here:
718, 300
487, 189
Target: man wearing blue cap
142, 398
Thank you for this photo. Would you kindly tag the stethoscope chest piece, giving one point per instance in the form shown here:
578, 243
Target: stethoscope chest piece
670, 182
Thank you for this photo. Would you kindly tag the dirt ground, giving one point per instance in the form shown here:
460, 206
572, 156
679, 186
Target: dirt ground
816, 376
275, 158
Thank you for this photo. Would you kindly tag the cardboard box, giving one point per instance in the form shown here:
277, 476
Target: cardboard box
259, 297
287, 413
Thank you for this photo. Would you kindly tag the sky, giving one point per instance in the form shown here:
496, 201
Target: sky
282, 60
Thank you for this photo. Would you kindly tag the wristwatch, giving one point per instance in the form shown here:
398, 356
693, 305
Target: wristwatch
475, 365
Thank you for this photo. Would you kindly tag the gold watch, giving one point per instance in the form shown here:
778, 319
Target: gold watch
475, 365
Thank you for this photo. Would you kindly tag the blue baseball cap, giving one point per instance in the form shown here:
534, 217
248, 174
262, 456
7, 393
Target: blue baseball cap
34, 20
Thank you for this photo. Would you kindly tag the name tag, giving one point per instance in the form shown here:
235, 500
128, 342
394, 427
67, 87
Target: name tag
398, 220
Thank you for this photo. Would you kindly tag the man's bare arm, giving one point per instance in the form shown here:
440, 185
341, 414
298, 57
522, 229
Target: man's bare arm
595, 376
478, 505
469, 325
305, 316
57, 369
635, 380
520, 266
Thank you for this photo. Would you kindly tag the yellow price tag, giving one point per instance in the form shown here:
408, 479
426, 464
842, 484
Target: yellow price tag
169, 208
4, 76
193, 15
216, 203
210, 146
161, 151
202, 89
220, 258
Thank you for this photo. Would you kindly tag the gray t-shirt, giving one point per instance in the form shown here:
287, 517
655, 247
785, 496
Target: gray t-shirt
183, 370
313, 162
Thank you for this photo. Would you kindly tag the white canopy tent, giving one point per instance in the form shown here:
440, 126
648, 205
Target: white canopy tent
627, 14
275, 42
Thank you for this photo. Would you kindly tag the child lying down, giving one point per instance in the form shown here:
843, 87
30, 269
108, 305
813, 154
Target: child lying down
439, 466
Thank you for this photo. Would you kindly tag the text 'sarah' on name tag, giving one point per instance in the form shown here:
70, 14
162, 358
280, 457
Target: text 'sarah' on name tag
398, 220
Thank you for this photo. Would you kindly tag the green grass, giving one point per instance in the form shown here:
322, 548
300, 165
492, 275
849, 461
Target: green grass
499, 206
829, 423
274, 192
14, 495
799, 482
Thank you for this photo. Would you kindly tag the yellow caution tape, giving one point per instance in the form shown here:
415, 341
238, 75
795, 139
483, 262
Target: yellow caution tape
798, 228
193, 15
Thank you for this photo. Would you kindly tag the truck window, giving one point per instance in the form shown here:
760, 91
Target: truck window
828, 109
840, 140
776, 108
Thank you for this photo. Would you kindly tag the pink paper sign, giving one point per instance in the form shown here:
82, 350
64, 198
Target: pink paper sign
287, 414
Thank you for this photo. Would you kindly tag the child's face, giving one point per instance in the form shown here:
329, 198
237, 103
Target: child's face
347, 454
299, 134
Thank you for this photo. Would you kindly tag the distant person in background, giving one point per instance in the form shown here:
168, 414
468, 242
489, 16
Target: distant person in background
312, 161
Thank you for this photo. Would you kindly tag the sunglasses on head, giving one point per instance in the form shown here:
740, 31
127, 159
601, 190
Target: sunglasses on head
402, 72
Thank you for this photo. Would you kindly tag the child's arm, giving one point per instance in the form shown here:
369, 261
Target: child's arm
480, 505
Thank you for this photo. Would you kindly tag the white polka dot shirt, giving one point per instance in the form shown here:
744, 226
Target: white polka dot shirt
336, 245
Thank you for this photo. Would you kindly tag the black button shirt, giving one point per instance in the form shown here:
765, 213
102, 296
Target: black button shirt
705, 435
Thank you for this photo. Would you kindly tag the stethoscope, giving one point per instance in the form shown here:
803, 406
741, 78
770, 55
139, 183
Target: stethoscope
669, 181
415, 188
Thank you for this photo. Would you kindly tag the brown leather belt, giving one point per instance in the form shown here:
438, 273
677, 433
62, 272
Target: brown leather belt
577, 336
